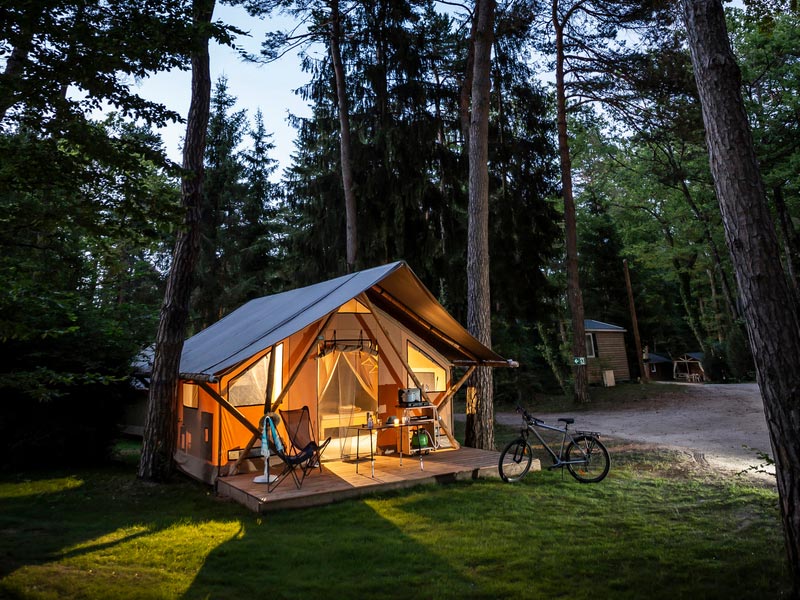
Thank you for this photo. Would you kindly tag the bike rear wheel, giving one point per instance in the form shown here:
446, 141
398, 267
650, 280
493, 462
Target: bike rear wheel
590, 458
515, 460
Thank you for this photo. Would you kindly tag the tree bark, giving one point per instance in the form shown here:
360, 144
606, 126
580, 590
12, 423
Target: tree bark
480, 409
345, 144
160, 432
790, 238
574, 294
770, 312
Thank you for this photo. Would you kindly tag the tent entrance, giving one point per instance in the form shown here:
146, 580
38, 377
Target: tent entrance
347, 392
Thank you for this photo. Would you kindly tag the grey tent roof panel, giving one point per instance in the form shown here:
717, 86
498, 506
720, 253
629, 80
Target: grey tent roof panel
262, 322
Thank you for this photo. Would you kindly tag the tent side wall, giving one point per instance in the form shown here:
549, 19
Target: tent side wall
198, 429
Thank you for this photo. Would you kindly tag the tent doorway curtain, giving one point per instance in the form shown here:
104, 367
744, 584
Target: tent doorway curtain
347, 378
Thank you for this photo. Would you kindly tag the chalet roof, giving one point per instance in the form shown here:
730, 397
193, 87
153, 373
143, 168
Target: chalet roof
590, 325
260, 323
691, 356
657, 358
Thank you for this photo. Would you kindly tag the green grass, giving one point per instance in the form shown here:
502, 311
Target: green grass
653, 528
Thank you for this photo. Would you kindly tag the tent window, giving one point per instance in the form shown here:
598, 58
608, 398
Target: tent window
430, 374
189, 394
591, 346
250, 387
353, 306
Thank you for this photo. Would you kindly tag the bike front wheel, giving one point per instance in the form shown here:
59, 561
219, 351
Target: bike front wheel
587, 459
515, 460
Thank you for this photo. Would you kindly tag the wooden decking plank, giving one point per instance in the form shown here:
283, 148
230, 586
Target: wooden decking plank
339, 479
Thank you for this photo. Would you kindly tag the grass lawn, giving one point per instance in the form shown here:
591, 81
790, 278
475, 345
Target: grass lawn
654, 528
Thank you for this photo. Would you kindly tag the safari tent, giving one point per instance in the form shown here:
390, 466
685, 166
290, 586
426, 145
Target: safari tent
344, 348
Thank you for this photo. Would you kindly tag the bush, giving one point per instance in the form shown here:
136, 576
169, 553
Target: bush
715, 364
738, 354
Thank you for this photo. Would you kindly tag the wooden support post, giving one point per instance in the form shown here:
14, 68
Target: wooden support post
267, 396
636, 340
299, 366
230, 408
454, 388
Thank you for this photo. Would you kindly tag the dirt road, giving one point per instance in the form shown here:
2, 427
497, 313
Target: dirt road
722, 424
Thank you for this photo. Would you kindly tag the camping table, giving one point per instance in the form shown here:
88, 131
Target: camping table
376, 428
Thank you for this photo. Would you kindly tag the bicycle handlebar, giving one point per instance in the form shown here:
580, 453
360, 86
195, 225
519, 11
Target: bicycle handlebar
528, 418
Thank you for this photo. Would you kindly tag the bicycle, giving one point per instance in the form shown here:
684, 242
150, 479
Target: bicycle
584, 455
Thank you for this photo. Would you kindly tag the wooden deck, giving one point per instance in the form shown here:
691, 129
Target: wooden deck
339, 480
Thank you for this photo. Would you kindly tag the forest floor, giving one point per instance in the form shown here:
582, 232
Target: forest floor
719, 425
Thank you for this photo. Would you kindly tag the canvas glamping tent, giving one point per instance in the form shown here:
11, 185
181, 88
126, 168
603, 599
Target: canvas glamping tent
344, 348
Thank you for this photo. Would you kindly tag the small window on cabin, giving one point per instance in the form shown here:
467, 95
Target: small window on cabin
431, 375
353, 306
652, 368
591, 346
250, 387
189, 395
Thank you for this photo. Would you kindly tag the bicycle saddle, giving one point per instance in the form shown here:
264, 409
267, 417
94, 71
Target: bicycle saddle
568, 421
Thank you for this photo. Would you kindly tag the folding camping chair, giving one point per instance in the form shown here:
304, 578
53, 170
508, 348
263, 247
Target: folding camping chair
291, 458
301, 434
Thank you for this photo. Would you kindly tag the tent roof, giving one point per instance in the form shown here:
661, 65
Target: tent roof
592, 325
691, 357
262, 322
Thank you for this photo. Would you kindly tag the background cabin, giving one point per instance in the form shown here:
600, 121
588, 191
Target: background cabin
659, 367
607, 358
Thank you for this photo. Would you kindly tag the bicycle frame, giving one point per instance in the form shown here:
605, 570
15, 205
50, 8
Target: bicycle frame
567, 437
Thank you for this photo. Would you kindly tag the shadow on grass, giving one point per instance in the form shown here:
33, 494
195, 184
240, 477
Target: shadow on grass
103, 534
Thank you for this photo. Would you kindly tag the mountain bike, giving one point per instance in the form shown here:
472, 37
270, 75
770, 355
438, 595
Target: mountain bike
581, 452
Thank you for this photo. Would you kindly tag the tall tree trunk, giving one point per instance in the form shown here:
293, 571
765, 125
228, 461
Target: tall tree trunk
770, 311
574, 294
160, 431
480, 409
791, 242
465, 93
345, 144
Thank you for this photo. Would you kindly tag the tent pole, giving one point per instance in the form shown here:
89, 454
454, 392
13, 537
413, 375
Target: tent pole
454, 388
300, 364
392, 372
408, 369
386, 295
230, 408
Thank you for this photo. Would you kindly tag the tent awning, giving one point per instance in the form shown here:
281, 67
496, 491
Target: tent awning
260, 323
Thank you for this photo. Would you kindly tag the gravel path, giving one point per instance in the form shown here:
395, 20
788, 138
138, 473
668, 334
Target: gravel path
722, 424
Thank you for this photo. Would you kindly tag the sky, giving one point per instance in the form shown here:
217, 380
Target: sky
268, 87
